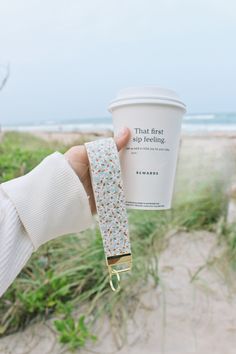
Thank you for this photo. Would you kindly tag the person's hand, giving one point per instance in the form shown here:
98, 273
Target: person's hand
78, 159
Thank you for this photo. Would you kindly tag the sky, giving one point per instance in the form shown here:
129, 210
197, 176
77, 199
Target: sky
69, 58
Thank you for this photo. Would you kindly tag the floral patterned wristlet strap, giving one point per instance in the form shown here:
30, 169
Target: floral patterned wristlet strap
109, 196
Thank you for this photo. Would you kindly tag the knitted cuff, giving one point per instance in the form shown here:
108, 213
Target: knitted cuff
50, 200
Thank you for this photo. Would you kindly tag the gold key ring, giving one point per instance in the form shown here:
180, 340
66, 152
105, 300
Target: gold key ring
112, 274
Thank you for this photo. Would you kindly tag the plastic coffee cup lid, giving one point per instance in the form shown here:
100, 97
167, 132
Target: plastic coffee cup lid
146, 95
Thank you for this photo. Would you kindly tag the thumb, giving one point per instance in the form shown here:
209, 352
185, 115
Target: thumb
122, 138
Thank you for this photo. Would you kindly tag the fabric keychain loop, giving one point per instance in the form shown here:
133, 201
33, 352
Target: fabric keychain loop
105, 173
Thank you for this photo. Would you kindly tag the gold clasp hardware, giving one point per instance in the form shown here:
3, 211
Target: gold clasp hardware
111, 275
116, 265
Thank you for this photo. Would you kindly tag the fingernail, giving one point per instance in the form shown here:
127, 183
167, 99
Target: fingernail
122, 132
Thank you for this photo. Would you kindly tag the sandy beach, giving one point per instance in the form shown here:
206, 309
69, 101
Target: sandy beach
193, 309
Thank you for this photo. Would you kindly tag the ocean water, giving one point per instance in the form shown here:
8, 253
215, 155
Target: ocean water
191, 123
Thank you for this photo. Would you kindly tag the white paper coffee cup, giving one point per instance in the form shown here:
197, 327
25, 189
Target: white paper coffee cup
148, 162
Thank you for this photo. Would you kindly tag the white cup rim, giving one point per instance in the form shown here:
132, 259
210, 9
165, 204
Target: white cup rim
146, 95
145, 100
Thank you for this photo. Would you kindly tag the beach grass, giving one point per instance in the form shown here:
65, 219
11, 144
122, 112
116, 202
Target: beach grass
67, 277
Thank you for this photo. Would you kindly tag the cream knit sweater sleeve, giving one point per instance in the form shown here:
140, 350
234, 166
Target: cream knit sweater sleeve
47, 202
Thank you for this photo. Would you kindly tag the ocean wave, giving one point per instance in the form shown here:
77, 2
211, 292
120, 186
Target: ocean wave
209, 128
191, 122
200, 117
59, 127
